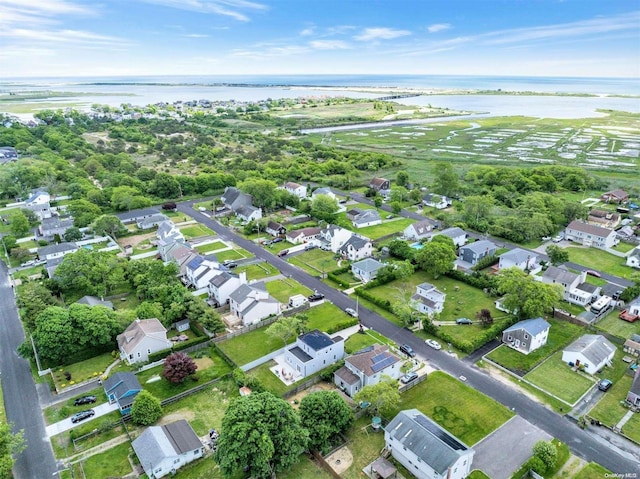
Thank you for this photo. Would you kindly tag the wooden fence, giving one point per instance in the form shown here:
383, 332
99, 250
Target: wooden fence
302, 387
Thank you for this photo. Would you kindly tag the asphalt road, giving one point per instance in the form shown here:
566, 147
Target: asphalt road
581, 442
20, 397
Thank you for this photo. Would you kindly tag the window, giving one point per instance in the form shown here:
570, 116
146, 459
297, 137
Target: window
526, 336
138, 353
176, 461
148, 351
524, 345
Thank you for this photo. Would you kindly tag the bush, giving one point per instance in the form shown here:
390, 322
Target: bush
383, 303
146, 409
327, 374
486, 262
342, 325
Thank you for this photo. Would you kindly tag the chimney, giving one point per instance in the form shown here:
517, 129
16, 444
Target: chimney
243, 277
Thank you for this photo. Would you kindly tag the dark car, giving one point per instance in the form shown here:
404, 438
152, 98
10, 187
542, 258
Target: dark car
604, 385
316, 297
82, 415
407, 378
408, 350
84, 400
463, 321
591, 272
277, 240
284, 252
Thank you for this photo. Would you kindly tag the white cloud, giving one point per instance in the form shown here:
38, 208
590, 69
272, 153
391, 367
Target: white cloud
370, 34
75, 37
231, 8
438, 27
196, 35
45, 7
328, 45
307, 31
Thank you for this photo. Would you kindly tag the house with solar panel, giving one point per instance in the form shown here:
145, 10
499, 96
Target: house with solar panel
200, 271
314, 351
425, 448
366, 367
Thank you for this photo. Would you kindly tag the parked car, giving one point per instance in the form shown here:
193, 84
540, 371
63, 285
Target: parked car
433, 343
463, 321
407, 378
408, 350
604, 385
31, 262
201, 208
277, 240
325, 247
315, 297
84, 400
389, 217
351, 312
546, 238
557, 239
231, 264
591, 272
284, 252
82, 415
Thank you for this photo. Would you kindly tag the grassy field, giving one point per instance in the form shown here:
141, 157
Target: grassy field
283, 289
209, 247
250, 346
611, 323
233, 254
561, 333
598, 259
258, 271
88, 369
593, 471
386, 228
460, 409
315, 261
632, 427
196, 230
113, 462
558, 378
325, 316
608, 410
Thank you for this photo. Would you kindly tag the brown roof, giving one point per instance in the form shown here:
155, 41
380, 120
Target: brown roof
292, 185
377, 182
630, 344
364, 361
617, 193
589, 229
138, 330
604, 214
346, 375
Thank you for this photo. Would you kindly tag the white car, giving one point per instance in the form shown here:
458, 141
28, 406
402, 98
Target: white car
433, 343
351, 312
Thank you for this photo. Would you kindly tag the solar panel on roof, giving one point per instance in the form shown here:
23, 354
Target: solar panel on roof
439, 433
378, 357
380, 365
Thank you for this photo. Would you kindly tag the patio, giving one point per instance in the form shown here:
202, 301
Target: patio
284, 371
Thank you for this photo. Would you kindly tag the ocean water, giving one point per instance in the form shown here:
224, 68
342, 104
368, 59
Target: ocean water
144, 90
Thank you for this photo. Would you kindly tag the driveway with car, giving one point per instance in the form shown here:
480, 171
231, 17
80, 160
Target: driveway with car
66, 424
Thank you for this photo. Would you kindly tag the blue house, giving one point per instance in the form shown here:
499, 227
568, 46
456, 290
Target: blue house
122, 388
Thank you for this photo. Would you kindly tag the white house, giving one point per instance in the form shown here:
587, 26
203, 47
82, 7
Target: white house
169, 232
356, 248
200, 271
140, 339
136, 215
526, 336
251, 303
248, 213
591, 352
164, 449
304, 235
367, 218
223, 284
55, 225
418, 230
458, 235
54, 251
152, 221
518, 258
366, 367
323, 191
436, 201
275, 229
572, 283
366, 269
633, 259
296, 189
334, 237
428, 299
590, 235
39, 203
426, 449
314, 351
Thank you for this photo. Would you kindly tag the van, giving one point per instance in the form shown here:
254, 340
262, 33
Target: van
297, 300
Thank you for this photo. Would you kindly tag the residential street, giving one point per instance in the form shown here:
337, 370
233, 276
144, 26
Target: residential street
18, 387
582, 443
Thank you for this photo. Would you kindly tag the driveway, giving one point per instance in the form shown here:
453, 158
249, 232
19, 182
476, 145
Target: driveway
501, 453
66, 424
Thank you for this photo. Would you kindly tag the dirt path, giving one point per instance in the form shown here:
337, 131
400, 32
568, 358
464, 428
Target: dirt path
134, 240
501, 376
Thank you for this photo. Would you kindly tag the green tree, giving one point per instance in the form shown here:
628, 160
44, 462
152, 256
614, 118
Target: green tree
83, 212
377, 201
54, 335
522, 293
11, 444
477, 211
165, 186
556, 254
20, 254
383, 397
446, 181
261, 432
109, 225
436, 258
73, 234
262, 191
324, 208
146, 409
128, 198
148, 310
547, 453
285, 328
402, 178
34, 298
19, 224
396, 207
398, 194
324, 414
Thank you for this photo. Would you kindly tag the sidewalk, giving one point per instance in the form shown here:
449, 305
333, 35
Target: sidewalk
66, 424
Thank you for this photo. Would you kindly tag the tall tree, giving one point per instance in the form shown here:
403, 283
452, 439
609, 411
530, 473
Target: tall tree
556, 254
146, 409
324, 208
11, 444
383, 397
178, 366
436, 258
324, 414
19, 224
446, 181
260, 432
109, 225
402, 178
530, 298
285, 328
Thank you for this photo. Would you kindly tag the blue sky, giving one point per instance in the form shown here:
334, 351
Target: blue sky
209, 37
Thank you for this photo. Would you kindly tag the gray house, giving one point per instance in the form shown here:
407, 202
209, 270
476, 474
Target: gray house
122, 388
152, 221
314, 351
95, 301
366, 269
474, 252
427, 450
365, 368
54, 251
137, 215
55, 225
526, 336
633, 396
233, 198
164, 449
458, 235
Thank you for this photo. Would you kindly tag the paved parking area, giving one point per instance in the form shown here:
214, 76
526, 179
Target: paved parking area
500, 454
66, 424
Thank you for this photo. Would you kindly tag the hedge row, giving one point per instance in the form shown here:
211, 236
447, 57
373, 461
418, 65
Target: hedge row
333, 277
383, 303
342, 325
477, 280
486, 262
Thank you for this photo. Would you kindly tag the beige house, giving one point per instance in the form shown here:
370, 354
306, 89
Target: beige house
142, 338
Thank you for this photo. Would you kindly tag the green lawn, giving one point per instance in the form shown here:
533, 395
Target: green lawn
210, 367
632, 427
61, 443
365, 446
315, 261
561, 333
25, 273
250, 346
460, 409
356, 342
598, 259
325, 316
209, 247
593, 471
608, 410
611, 323
283, 289
112, 463
196, 230
624, 247
131, 301
558, 378
233, 254
386, 228
477, 474
258, 271
88, 369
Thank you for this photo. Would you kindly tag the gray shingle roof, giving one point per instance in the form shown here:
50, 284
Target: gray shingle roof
56, 248
159, 442
95, 301
453, 232
594, 347
367, 216
532, 326
356, 242
480, 246
517, 255
130, 215
559, 275
121, 383
589, 229
368, 265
